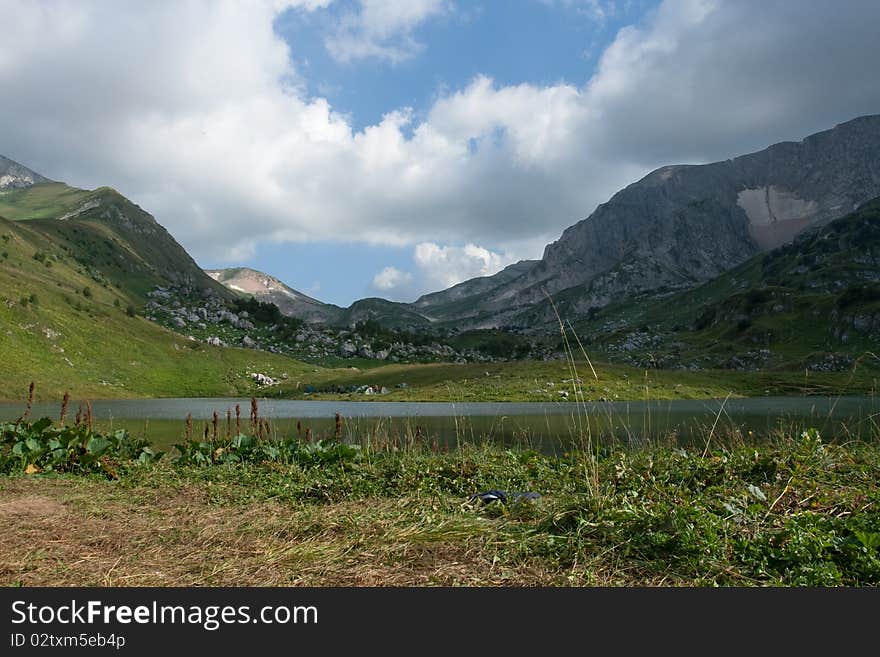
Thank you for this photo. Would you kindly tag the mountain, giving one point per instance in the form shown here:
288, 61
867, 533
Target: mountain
682, 225
463, 300
266, 288
110, 238
291, 302
15, 176
390, 314
75, 269
676, 228
429, 310
813, 303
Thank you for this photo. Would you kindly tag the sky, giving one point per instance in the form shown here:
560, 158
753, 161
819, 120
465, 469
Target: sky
357, 148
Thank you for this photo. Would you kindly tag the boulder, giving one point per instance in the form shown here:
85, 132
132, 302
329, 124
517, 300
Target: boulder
263, 379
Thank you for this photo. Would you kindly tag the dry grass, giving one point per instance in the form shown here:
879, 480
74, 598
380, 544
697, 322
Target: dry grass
67, 532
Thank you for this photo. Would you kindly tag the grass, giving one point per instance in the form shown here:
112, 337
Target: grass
44, 201
58, 348
531, 381
788, 510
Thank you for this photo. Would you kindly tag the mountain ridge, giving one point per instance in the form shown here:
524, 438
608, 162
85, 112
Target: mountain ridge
113, 239
813, 303
684, 224
267, 288
677, 227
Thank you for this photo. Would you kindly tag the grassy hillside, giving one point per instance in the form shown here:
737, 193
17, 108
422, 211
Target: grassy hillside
549, 381
49, 200
110, 238
68, 320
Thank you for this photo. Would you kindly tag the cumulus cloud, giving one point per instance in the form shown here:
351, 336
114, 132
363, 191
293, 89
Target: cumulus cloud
195, 110
445, 266
382, 29
390, 278
439, 267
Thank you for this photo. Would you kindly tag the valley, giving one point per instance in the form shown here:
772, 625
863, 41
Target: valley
390, 295
587, 365
802, 315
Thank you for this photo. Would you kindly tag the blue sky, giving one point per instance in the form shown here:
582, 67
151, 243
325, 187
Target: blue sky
510, 41
391, 148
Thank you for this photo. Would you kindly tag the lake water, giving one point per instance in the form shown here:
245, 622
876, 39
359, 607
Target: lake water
545, 426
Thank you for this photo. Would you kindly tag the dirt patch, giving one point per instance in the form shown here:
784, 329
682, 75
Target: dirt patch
31, 505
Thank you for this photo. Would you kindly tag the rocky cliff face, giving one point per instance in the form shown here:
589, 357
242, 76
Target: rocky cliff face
15, 176
685, 224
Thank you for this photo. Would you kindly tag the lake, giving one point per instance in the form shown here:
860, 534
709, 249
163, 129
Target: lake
544, 426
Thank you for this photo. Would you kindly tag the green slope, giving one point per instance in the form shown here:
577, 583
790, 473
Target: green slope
70, 291
48, 200
111, 238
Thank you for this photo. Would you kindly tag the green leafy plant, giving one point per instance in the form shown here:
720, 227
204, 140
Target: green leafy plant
42, 446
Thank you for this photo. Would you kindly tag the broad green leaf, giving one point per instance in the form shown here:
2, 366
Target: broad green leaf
97, 445
243, 442
870, 540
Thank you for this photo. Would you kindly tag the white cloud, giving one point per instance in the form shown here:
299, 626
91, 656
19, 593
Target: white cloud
445, 266
390, 278
439, 267
194, 110
382, 29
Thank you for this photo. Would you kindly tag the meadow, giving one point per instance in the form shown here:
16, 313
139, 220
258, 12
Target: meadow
84, 508
570, 378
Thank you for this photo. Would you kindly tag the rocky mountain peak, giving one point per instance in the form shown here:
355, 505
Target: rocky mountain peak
264, 287
682, 225
16, 176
